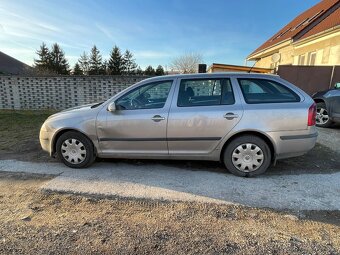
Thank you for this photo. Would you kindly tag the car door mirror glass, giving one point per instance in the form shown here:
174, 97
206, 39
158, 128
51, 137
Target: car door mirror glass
337, 85
111, 107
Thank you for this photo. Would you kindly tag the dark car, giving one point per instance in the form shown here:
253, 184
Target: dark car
328, 106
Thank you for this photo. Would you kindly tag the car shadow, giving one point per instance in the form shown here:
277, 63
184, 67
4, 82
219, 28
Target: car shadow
317, 161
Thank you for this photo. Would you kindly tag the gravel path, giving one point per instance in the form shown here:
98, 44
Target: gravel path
330, 137
152, 181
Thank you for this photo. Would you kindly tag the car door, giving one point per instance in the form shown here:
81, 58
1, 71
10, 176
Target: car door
203, 111
138, 125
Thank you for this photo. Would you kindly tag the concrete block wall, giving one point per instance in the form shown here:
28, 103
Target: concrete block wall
59, 92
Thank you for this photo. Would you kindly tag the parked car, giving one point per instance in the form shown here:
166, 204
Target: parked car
247, 121
328, 106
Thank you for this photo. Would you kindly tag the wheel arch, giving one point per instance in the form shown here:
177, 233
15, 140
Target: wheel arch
259, 134
319, 100
63, 131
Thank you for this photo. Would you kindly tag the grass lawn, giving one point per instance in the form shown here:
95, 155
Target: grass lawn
20, 130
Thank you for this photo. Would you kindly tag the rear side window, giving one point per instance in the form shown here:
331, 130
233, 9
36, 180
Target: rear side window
205, 92
257, 91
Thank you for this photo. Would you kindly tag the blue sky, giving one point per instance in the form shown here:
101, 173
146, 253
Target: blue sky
155, 31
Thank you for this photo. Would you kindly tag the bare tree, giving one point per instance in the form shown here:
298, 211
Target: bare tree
187, 63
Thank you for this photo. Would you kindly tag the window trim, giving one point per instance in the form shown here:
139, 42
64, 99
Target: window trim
300, 58
269, 102
143, 85
310, 56
206, 79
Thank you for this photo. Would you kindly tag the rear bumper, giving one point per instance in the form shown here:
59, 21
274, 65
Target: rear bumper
293, 143
299, 137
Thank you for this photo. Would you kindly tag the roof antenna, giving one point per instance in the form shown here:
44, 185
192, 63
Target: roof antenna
253, 66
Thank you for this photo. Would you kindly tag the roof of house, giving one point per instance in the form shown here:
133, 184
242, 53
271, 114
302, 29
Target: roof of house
9, 65
333, 20
236, 68
318, 18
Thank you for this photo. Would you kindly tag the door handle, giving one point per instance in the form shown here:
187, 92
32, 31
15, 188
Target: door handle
230, 116
157, 118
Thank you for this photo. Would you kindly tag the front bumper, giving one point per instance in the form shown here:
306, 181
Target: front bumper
45, 138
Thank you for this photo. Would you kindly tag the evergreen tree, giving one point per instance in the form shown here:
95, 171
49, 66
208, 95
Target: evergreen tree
84, 63
104, 70
149, 71
116, 64
130, 65
43, 62
95, 61
59, 63
139, 71
160, 70
77, 70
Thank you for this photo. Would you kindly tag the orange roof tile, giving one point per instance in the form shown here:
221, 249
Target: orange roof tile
333, 20
310, 19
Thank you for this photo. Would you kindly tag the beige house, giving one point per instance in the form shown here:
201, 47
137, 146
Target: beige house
215, 68
312, 38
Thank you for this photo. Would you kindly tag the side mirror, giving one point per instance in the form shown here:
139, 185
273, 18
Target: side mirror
337, 85
111, 107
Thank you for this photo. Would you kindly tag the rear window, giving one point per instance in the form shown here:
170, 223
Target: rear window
205, 92
258, 91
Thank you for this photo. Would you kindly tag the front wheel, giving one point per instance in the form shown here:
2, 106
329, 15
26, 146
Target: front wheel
247, 156
322, 117
75, 150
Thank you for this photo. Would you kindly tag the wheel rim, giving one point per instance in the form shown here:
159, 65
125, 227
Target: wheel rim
247, 157
73, 151
321, 116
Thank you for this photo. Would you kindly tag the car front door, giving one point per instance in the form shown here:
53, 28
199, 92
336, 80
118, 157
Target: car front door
202, 113
138, 125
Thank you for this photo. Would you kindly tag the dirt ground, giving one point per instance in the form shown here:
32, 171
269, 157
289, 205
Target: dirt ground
32, 222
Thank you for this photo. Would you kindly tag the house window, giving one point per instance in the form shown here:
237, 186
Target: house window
311, 58
301, 60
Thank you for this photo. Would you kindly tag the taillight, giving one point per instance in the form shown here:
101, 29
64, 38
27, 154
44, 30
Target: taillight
312, 115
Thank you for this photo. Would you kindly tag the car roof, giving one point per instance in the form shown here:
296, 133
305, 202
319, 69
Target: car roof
212, 75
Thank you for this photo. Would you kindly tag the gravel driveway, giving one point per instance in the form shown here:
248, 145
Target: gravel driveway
158, 181
330, 137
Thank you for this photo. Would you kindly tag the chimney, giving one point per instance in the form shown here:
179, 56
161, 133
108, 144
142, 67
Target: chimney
202, 68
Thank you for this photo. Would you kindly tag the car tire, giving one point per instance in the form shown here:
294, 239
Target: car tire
247, 156
321, 111
75, 150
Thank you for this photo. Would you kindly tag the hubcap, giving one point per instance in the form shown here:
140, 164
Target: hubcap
247, 157
321, 116
73, 151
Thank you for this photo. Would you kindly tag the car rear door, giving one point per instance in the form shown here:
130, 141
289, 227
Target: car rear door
202, 112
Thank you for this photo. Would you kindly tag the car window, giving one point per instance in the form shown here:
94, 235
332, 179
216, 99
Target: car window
149, 96
256, 91
205, 92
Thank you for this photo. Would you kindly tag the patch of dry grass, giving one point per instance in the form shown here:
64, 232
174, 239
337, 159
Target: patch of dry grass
19, 127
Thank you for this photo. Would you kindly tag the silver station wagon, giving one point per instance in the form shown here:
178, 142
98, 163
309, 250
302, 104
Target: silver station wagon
247, 121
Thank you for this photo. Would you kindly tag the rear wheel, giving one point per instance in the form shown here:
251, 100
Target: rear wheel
322, 117
75, 150
247, 156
